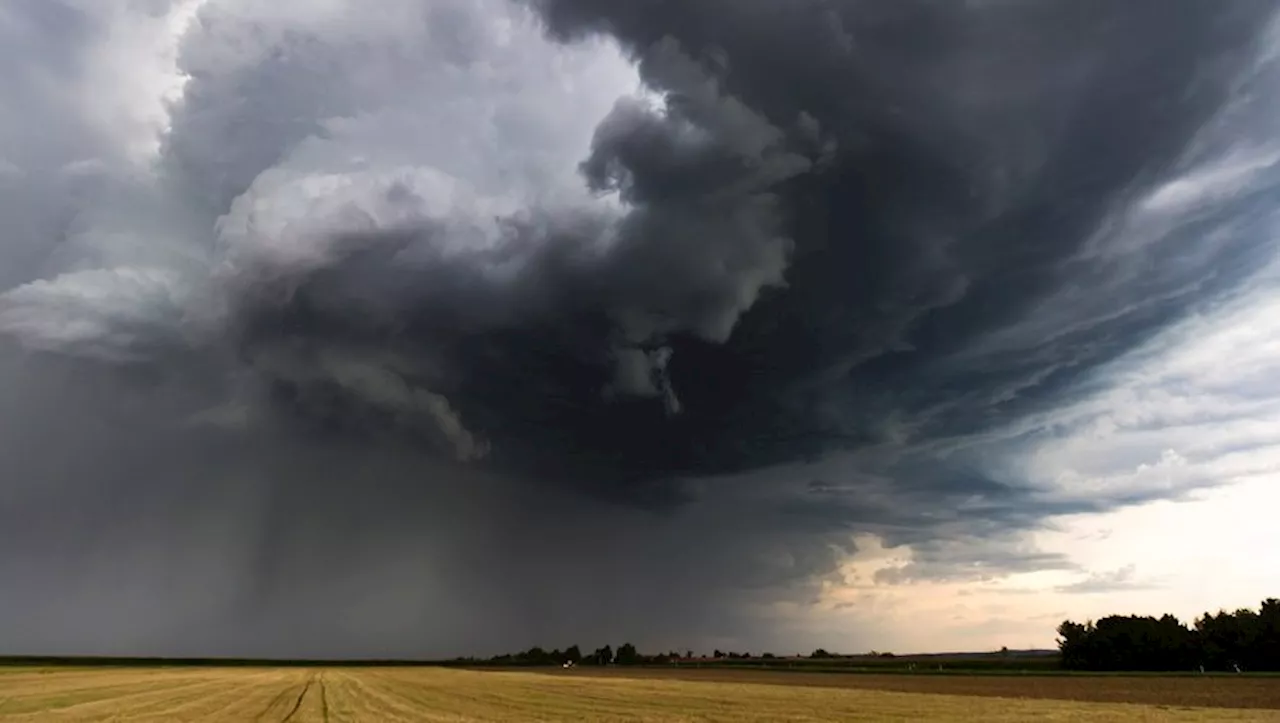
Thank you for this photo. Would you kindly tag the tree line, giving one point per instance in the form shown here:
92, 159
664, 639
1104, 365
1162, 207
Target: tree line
1244, 640
625, 654
606, 655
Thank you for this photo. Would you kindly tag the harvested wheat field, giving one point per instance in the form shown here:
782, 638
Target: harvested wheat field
428, 694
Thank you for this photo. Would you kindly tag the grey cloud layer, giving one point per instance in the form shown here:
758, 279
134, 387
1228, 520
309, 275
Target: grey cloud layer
807, 282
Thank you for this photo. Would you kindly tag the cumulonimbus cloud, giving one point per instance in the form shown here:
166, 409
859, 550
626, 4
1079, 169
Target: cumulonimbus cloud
793, 263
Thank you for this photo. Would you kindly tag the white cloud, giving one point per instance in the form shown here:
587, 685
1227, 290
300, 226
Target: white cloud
1198, 406
470, 89
1213, 182
114, 314
131, 75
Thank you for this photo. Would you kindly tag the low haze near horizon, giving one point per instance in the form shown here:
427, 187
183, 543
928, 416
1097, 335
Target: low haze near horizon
464, 326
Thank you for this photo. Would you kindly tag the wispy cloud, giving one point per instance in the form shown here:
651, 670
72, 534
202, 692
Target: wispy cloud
1124, 578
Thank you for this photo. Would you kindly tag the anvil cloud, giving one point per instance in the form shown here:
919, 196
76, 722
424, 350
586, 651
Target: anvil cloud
471, 324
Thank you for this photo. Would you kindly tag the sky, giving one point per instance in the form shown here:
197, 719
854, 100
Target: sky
465, 326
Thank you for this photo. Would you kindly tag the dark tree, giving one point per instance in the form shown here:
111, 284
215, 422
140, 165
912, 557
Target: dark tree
534, 656
601, 656
627, 655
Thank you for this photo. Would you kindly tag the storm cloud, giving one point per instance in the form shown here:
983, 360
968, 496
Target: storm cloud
477, 324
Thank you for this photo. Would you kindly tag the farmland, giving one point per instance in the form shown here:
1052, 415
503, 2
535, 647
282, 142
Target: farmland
301, 694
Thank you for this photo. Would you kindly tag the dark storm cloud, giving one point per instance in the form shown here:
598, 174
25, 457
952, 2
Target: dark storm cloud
980, 147
814, 244
385, 323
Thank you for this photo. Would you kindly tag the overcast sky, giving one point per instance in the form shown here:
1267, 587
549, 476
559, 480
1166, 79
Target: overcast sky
468, 325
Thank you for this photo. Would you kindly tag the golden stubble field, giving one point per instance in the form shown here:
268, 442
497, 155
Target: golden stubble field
431, 694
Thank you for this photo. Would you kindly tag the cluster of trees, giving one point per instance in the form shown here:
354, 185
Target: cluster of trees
626, 654
1229, 641
822, 654
731, 655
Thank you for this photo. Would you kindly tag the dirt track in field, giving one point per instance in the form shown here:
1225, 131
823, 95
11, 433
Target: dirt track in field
1186, 691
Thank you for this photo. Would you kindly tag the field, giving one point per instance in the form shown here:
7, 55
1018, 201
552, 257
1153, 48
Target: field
434, 694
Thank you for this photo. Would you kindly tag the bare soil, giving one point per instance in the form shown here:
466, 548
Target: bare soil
1184, 691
